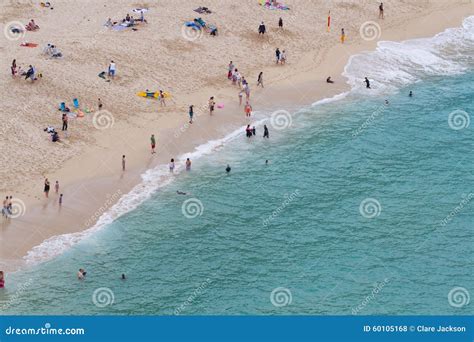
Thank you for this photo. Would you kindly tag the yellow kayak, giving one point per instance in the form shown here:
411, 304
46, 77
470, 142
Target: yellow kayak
154, 94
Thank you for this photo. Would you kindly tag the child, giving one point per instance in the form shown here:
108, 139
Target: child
56, 187
248, 110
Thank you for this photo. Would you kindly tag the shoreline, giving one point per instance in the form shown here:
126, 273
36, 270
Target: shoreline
84, 195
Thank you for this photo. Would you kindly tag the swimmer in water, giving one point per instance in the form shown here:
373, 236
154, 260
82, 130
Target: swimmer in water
266, 162
123, 276
227, 169
410, 94
81, 274
386, 102
181, 193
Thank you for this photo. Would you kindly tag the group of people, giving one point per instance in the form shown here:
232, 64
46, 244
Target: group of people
52, 51
251, 131
28, 74
280, 56
47, 188
7, 209
172, 165
128, 21
32, 26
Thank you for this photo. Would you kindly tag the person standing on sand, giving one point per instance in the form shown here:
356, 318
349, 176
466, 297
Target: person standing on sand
188, 164
56, 187
162, 98
153, 143
99, 103
265, 132
277, 55
123, 162
247, 92
10, 205
343, 36
283, 57
5, 207
65, 119
60, 201
367, 83
260, 79
248, 109
112, 69
381, 16
46, 187
262, 29
241, 94
230, 70
280, 23
211, 105
191, 113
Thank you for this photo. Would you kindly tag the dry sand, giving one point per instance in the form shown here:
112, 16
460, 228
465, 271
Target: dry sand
88, 162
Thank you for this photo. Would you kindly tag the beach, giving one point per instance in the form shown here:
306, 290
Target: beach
87, 163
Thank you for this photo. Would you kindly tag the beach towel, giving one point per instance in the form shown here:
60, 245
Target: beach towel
273, 5
200, 22
193, 25
202, 10
138, 10
31, 45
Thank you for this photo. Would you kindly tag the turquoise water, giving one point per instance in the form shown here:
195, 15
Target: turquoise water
296, 223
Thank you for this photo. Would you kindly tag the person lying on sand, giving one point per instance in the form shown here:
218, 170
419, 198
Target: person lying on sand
328, 80
31, 26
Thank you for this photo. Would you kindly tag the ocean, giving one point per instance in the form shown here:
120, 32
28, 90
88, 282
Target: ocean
365, 206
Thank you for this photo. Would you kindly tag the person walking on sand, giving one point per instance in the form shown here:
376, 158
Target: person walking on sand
13, 68
261, 29
367, 83
230, 70
283, 57
46, 187
188, 164
381, 16
64, 119
60, 201
260, 79
211, 105
153, 143
247, 92
191, 113
56, 187
241, 94
280, 23
5, 207
123, 162
265, 132
10, 205
343, 36
112, 69
248, 109
277, 55
162, 99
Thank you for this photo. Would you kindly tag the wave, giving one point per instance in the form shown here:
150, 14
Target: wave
397, 64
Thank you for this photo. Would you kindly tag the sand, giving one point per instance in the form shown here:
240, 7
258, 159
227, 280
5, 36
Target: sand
159, 55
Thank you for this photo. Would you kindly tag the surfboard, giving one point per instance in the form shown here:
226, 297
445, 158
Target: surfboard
154, 94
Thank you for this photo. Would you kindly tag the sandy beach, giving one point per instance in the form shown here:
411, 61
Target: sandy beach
160, 55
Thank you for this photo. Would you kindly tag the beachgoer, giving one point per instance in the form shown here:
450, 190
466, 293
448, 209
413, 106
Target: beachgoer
99, 103
227, 169
112, 69
266, 162
188, 164
211, 105
261, 29
30, 73
162, 98
123, 274
10, 205
254, 131
2, 280
248, 109
5, 207
410, 94
46, 188
260, 79
248, 131
247, 92
230, 70
367, 83
191, 113
329, 80
60, 199
265, 132
171, 165
283, 57
280, 23
343, 36
241, 94
381, 16
56, 187
153, 143
123, 162
13, 68
81, 274
277, 55
181, 192
65, 119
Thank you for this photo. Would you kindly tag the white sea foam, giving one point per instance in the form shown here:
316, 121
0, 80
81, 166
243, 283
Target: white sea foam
397, 64
390, 66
